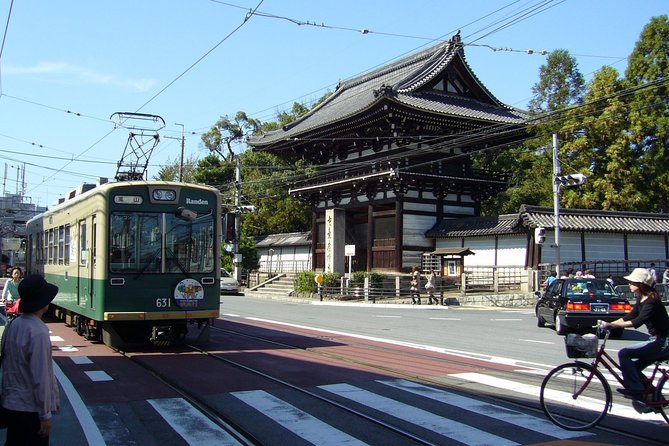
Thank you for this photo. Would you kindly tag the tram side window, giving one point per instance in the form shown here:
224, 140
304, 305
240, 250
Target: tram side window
61, 245
45, 247
52, 253
67, 244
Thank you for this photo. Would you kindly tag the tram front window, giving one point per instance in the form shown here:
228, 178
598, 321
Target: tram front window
189, 244
136, 243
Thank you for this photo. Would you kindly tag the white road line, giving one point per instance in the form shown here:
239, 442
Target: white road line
390, 317
541, 425
191, 424
295, 420
449, 428
448, 351
528, 389
444, 319
505, 320
537, 342
91, 431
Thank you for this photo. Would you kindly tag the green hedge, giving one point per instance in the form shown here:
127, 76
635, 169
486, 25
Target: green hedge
305, 282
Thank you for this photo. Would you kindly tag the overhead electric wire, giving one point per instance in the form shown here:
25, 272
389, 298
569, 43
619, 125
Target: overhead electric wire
164, 88
4, 39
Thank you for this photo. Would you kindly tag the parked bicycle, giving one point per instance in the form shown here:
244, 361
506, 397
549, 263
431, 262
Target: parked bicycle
576, 396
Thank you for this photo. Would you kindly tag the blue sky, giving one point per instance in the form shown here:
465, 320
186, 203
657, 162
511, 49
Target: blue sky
67, 66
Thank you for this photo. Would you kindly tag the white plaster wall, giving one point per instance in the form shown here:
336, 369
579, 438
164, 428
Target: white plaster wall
512, 250
604, 246
645, 246
570, 247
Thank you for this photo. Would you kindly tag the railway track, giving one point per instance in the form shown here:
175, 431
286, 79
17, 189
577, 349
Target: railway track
243, 435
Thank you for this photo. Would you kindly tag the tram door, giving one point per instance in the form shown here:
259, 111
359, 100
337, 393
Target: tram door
85, 276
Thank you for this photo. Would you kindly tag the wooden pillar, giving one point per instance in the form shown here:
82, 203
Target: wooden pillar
370, 237
399, 233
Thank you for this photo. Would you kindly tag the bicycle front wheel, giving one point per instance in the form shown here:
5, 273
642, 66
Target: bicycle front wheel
575, 396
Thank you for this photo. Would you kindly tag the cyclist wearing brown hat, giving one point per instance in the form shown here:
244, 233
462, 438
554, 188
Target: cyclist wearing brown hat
648, 310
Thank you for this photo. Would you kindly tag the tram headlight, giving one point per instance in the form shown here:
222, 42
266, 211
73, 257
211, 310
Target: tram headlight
164, 195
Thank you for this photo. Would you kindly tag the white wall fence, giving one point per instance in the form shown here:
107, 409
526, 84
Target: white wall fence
284, 266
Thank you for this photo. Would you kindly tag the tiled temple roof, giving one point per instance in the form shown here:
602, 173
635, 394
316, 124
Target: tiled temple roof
400, 82
570, 220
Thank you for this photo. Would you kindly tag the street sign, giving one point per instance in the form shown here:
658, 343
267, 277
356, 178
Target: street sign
349, 250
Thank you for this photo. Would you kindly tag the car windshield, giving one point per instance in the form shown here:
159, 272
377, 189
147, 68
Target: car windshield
600, 289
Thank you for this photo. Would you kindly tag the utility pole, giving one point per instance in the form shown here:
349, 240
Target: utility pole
237, 259
183, 143
556, 201
559, 181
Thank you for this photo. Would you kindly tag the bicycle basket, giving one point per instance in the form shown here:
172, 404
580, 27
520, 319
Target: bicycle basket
578, 346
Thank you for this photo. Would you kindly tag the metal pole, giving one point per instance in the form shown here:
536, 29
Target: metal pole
238, 201
556, 201
183, 143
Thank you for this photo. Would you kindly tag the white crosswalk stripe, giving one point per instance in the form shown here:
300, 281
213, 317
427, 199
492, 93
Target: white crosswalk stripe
295, 420
190, 424
520, 419
450, 428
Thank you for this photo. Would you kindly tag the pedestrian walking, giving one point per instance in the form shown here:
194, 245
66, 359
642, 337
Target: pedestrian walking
430, 287
29, 389
415, 285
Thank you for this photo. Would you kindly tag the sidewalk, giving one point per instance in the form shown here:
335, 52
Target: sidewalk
451, 299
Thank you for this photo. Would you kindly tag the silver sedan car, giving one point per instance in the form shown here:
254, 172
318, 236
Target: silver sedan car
229, 284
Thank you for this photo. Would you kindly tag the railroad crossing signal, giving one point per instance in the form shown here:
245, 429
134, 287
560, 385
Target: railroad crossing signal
574, 179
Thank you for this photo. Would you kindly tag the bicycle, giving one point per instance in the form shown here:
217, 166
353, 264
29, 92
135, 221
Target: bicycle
576, 396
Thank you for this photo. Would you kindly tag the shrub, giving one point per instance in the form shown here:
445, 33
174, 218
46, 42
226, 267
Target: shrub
331, 279
375, 280
358, 279
306, 283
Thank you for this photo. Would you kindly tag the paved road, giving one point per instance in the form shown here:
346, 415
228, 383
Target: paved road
108, 402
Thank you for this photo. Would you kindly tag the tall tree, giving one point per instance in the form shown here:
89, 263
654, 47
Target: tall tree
214, 171
266, 183
170, 170
560, 85
226, 132
600, 148
648, 73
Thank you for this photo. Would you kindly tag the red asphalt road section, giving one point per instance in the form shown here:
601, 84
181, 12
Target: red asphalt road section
205, 376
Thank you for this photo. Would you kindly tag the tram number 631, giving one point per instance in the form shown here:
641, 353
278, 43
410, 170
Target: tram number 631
163, 302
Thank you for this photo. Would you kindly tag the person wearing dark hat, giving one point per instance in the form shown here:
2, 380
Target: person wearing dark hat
29, 388
648, 310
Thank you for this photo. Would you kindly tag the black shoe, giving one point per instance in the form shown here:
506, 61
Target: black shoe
631, 394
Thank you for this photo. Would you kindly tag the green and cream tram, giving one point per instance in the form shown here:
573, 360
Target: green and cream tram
135, 261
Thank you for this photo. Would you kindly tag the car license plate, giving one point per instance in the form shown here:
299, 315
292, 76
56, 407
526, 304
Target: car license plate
599, 308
